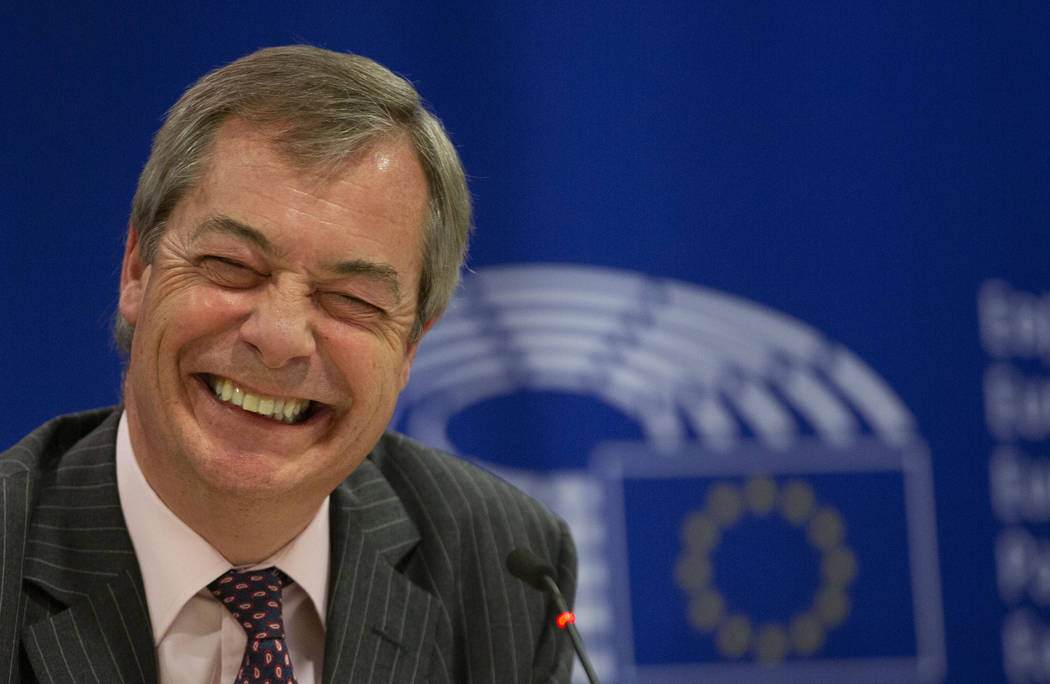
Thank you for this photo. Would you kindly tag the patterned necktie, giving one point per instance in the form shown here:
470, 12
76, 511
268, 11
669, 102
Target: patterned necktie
254, 598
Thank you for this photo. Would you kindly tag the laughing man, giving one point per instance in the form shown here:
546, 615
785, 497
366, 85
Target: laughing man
243, 515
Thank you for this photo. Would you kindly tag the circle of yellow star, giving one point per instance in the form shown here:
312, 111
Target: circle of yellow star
736, 634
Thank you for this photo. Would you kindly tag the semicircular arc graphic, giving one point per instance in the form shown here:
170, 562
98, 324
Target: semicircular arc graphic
686, 362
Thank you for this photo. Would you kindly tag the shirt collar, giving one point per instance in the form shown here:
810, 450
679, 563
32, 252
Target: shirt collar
176, 562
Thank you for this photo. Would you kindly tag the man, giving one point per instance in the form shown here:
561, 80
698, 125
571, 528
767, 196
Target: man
299, 226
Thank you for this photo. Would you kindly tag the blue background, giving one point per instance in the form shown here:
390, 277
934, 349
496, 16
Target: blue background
862, 167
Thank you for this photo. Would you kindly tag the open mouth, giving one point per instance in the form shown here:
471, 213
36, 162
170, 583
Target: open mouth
289, 410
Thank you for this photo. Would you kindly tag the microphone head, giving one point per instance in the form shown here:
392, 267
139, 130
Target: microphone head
524, 565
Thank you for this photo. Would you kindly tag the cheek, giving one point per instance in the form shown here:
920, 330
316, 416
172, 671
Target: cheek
403, 373
185, 321
200, 308
368, 365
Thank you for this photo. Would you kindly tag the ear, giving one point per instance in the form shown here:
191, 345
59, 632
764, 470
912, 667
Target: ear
133, 278
410, 353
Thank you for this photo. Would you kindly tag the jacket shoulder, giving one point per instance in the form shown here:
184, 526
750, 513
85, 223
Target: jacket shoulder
455, 490
42, 449
468, 515
469, 520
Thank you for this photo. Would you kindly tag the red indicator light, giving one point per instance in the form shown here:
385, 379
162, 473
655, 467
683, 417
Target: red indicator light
565, 618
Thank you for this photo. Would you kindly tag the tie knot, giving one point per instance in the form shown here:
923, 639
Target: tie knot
254, 599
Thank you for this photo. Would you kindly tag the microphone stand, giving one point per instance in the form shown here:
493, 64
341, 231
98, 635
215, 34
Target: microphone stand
570, 627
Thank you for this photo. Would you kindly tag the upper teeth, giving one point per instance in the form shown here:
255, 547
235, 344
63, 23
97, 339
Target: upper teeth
280, 408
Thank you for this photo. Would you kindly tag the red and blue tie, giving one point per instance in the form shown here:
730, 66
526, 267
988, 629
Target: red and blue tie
254, 598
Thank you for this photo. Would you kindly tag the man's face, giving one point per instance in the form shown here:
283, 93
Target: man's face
290, 294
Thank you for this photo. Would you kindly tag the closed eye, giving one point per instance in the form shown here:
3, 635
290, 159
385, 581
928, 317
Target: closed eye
230, 273
348, 307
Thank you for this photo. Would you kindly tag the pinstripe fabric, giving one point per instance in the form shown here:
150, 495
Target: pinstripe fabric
84, 616
444, 529
418, 589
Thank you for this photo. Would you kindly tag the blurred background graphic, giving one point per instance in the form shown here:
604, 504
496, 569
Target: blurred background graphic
758, 299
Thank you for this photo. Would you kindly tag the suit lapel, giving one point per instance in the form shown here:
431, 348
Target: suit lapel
79, 560
379, 623
79, 556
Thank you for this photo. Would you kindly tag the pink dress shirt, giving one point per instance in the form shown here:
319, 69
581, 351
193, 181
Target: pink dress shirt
197, 640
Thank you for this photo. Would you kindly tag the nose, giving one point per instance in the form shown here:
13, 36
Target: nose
279, 327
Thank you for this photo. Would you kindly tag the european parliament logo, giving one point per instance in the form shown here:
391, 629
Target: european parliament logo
750, 501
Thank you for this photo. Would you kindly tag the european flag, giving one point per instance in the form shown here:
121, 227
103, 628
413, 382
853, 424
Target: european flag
777, 561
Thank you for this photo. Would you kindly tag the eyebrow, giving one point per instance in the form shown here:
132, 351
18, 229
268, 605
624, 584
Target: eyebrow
225, 224
384, 273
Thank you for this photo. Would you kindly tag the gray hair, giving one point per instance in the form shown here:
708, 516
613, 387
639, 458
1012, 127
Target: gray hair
325, 106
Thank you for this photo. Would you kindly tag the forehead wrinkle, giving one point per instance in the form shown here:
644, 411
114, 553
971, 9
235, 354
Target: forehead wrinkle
384, 273
228, 226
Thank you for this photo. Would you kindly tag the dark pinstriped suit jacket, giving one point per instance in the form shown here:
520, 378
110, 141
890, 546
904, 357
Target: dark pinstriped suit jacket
418, 591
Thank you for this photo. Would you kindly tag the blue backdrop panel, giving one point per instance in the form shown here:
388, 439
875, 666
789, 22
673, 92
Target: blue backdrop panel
768, 569
812, 563
801, 245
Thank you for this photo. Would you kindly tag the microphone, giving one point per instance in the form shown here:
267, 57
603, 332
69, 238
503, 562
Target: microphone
524, 565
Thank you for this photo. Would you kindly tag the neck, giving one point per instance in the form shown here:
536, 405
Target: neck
244, 530
233, 529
